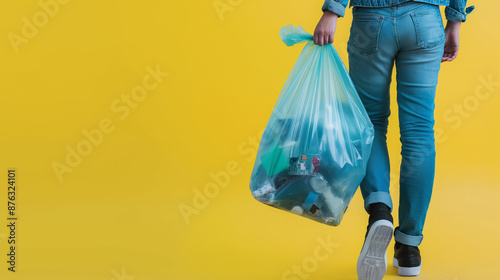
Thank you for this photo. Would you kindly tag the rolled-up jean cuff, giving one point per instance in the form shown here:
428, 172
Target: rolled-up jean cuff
334, 7
376, 197
453, 15
410, 240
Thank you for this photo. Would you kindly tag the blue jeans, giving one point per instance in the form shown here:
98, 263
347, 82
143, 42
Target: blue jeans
411, 36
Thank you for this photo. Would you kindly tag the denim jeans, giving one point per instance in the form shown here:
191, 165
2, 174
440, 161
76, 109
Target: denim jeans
411, 37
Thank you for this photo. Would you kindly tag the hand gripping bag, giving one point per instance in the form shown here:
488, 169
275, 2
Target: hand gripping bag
314, 149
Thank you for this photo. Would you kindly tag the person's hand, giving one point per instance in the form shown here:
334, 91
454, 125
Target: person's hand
452, 41
325, 30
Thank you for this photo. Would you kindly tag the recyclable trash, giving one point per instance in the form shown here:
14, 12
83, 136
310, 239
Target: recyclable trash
314, 149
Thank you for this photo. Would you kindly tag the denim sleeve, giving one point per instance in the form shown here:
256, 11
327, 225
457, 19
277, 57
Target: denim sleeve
335, 6
456, 11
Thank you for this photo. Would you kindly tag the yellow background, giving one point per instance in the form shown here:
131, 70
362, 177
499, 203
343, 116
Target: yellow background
117, 214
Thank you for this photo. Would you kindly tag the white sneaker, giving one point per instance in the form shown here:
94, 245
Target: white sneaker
372, 262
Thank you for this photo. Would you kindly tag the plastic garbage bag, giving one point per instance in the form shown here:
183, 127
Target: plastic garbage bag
313, 153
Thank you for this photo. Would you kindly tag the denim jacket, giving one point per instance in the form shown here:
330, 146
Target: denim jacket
455, 9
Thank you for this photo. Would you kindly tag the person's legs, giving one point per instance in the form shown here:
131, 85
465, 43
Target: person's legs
421, 43
412, 34
372, 50
421, 40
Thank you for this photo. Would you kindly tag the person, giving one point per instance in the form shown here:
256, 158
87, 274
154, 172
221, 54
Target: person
411, 35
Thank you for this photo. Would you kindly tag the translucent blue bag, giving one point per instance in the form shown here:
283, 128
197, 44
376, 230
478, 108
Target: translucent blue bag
313, 153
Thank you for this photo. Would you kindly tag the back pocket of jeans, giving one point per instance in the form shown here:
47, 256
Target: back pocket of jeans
365, 31
429, 28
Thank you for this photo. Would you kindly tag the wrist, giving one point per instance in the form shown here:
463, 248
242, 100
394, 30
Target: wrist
453, 26
330, 14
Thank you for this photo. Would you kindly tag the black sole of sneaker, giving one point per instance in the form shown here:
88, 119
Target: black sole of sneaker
372, 262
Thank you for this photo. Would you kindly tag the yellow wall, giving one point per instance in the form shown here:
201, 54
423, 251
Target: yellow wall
116, 114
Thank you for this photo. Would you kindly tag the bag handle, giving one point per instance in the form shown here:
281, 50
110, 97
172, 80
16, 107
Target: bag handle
291, 35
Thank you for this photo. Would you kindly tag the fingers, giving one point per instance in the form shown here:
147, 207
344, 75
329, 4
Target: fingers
449, 56
323, 39
451, 45
445, 58
329, 39
318, 39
